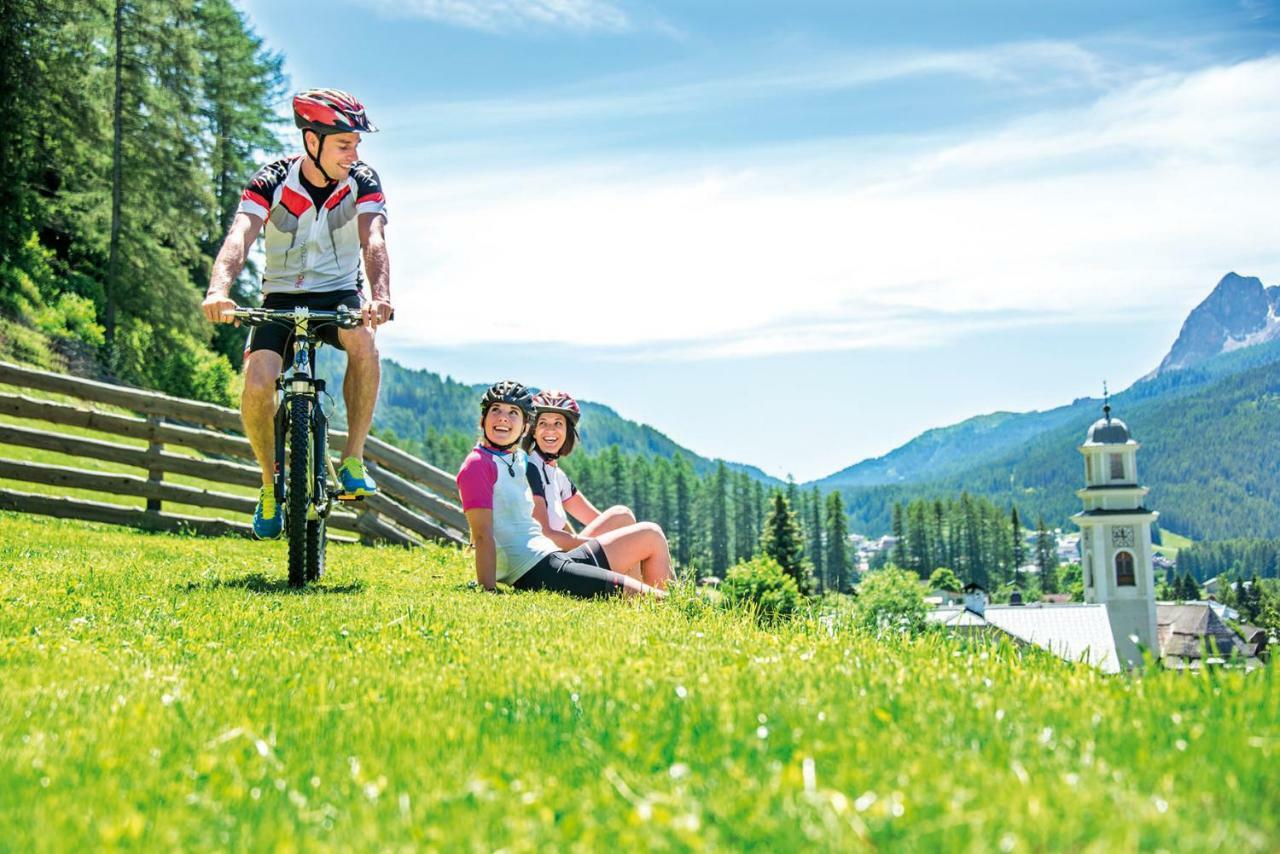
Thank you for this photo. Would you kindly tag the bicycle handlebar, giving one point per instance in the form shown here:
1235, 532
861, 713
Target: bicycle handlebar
347, 318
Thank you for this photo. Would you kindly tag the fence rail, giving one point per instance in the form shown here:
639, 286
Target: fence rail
415, 501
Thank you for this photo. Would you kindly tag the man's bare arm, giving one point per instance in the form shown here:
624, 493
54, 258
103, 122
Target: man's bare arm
227, 266
377, 267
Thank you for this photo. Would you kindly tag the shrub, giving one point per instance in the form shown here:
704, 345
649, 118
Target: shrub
944, 578
21, 343
687, 597
71, 316
762, 584
26, 275
891, 599
172, 362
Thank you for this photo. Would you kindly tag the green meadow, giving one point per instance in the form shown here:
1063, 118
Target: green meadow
167, 692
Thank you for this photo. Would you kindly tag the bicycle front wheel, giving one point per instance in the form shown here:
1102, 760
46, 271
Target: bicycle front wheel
316, 543
299, 498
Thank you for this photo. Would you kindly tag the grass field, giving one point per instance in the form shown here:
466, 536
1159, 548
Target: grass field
169, 692
1170, 544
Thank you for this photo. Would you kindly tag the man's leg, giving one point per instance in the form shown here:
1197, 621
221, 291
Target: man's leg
258, 408
360, 388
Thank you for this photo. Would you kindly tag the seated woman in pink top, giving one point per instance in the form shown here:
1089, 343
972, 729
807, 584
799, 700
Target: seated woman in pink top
510, 546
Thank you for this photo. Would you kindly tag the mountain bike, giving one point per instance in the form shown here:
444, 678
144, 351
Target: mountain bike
305, 484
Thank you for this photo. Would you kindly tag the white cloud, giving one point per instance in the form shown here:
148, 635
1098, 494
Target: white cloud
1026, 67
1135, 203
499, 15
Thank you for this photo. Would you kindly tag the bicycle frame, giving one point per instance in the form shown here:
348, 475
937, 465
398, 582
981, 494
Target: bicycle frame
299, 380
304, 481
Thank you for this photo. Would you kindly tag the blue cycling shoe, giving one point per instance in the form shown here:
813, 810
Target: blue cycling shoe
356, 481
268, 521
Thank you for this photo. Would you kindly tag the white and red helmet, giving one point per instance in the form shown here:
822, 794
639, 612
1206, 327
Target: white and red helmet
327, 111
558, 402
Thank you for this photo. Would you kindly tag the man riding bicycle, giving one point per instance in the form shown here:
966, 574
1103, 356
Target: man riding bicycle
322, 212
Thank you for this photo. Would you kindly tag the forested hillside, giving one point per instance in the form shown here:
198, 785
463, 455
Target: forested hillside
437, 418
130, 129
945, 451
1209, 456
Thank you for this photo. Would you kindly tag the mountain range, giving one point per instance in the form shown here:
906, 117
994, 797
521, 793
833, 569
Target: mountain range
1206, 416
1215, 383
419, 403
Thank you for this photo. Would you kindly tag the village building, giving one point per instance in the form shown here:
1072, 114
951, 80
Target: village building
1120, 619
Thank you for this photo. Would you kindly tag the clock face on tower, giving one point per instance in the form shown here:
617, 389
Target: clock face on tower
1122, 536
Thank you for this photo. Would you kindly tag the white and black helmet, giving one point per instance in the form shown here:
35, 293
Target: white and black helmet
510, 392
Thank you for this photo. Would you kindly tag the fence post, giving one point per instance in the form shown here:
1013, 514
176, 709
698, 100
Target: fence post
155, 471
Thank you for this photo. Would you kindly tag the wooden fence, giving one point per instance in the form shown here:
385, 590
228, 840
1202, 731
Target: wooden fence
415, 500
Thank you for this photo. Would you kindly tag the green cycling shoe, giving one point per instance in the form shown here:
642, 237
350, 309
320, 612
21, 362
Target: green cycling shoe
356, 481
268, 521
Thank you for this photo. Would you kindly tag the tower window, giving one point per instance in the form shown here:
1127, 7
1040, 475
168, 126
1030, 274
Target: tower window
1117, 467
1088, 469
1124, 569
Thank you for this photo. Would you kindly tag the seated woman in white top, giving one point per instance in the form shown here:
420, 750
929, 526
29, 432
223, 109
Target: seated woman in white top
555, 435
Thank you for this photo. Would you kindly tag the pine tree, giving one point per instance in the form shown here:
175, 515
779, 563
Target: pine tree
1188, 589
719, 510
814, 538
683, 480
938, 541
237, 75
1015, 525
917, 534
836, 559
663, 495
619, 474
1046, 558
976, 569
899, 538
784, 542
744, 535
641, 483
759, 506
1250, 595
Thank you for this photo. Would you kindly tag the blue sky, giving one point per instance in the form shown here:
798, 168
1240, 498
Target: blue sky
798, 234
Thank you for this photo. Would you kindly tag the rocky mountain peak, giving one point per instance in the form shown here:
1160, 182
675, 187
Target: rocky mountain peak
1238, 313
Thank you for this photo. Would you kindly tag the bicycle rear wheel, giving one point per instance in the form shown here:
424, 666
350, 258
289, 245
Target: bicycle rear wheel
299, 497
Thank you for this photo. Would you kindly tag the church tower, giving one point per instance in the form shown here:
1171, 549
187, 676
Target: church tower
1115, 537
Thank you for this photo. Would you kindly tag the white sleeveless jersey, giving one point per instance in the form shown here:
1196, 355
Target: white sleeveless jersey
551, 484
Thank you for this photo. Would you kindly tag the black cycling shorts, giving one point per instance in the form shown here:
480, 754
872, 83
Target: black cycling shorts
583, 572
279, 338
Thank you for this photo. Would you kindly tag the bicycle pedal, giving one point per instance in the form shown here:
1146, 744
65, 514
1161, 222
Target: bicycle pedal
349, 497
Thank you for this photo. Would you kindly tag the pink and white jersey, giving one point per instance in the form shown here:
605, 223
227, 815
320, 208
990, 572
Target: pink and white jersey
497, 481
553, 486
311, 248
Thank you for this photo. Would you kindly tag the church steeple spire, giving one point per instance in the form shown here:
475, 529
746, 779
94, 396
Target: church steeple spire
1115, 535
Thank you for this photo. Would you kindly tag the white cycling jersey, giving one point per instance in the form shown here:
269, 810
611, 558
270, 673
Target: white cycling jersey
312, 247
551, 484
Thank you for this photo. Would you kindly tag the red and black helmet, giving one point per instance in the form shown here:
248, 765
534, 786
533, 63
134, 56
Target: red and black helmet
558, 402
327, 111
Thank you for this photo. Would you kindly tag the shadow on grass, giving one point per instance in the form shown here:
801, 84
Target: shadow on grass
257, 582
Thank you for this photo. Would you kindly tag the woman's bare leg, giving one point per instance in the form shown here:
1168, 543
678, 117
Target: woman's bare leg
610, 520
613, 519
643, 544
